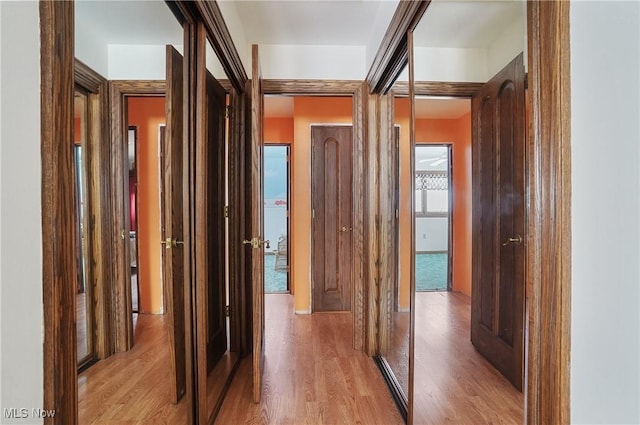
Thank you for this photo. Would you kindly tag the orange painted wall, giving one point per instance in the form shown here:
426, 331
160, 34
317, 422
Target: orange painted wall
278, 130
77, 130
148, 113
308, 111
457, 132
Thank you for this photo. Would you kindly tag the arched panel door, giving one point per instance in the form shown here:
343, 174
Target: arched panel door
498, 271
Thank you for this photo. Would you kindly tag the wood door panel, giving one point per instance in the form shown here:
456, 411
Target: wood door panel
255, 181
332, 222
173, 198
498, 214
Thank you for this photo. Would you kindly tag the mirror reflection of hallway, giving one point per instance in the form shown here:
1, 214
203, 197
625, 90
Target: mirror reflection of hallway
84, 313
276, 217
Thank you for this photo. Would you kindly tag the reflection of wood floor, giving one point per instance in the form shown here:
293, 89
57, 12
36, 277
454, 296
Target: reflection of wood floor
311, 376
132, 387
454, 384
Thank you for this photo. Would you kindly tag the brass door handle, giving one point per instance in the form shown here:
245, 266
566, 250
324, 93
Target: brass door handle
344, 229
168, 243
256, 242
517, 240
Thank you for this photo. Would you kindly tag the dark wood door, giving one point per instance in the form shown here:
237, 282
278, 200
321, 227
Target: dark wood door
497, 308
331, 202
257, 233
214, 151
173, 229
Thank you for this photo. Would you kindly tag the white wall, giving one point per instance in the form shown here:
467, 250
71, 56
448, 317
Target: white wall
507, 46
449, 64
236, 29
313, 62
90, 49
136, 62
605, 138
21, 361
432, 234
386, 10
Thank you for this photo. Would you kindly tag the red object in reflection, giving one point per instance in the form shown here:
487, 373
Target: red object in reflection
280, 202
132, 201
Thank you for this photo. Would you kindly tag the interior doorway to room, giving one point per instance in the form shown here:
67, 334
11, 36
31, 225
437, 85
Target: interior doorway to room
433, 226
145, 119
276, 217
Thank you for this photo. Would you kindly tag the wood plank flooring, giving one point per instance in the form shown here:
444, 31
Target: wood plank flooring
454, 384
132, 388
312, 375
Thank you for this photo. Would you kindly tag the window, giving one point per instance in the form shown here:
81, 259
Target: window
432, 193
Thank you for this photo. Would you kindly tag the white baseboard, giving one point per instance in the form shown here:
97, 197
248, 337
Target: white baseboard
303, 311
404, 310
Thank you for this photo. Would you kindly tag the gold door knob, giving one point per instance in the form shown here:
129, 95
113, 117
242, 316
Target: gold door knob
517, 240
256, 242
168, 243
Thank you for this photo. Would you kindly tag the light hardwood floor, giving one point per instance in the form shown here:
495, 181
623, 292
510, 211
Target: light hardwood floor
454, 384
312, 375
133, 387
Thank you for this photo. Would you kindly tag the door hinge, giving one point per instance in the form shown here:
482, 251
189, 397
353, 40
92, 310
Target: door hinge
227, 111
313, 213
226, 211
227, 311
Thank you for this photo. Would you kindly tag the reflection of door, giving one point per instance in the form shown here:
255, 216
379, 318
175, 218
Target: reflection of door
215, 221
497, 310
331, 226
173, 257
256, 204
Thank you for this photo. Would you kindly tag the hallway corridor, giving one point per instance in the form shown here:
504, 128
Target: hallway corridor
312, 375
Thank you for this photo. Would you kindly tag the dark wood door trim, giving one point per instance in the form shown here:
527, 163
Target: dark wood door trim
392, 55
548, 288
437, 88
311, 87
59, 280
119, 91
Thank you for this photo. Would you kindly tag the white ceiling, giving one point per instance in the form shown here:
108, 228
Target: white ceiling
129, 22
466, 24
319, 22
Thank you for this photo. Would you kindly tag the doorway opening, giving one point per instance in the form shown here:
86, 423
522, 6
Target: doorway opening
276, 217
433, 200
143, 189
